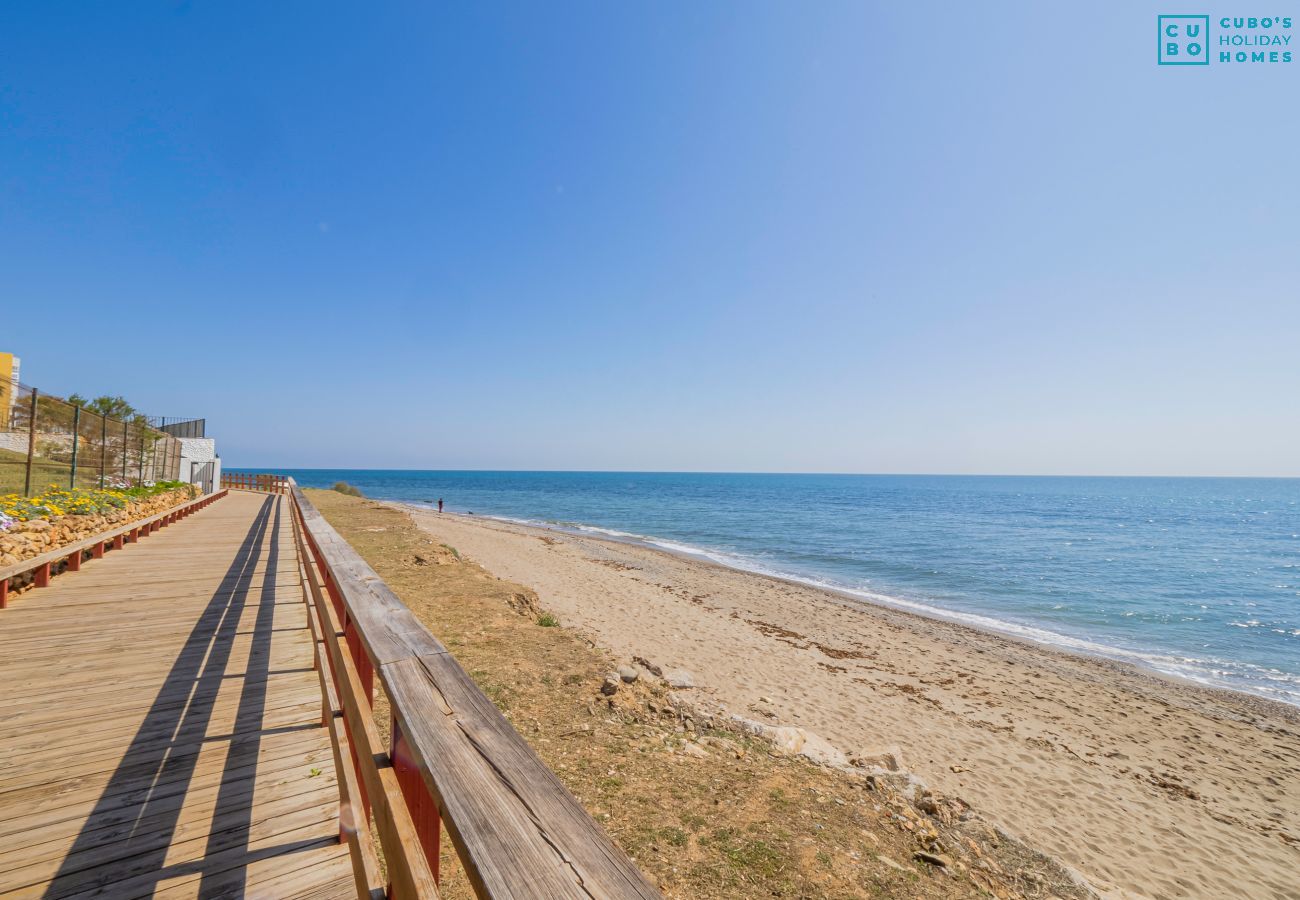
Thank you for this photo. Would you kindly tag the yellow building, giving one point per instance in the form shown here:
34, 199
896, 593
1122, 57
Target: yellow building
8, 385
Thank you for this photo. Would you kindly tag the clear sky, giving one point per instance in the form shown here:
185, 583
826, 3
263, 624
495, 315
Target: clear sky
859, 237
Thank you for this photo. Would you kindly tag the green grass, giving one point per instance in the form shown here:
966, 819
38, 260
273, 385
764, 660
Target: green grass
674, 837
749, 855
546, 620
13, 473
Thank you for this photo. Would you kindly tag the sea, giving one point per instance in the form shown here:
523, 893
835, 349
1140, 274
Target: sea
1193, 577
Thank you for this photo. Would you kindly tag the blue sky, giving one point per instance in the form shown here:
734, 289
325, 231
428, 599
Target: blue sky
856, 237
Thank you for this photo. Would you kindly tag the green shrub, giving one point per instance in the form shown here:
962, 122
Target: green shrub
344, 488
546, 620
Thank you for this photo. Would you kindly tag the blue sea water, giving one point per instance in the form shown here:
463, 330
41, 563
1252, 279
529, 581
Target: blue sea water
1197, 577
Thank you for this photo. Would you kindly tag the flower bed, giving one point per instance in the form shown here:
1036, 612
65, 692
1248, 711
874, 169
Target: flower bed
30, 526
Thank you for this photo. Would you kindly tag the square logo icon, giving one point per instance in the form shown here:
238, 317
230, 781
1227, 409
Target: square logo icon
1184, 40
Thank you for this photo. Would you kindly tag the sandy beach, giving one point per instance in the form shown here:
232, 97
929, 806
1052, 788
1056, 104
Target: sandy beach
1146, 786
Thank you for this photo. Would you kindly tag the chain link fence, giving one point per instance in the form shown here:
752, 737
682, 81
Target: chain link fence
46, 440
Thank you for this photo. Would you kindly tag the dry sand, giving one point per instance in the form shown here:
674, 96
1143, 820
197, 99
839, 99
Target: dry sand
1147, 786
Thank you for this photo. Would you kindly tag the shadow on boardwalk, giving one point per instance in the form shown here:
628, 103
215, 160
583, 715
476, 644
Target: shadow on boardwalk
128, 835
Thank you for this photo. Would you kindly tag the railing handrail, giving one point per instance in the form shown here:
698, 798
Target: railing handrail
255, 481
517, 830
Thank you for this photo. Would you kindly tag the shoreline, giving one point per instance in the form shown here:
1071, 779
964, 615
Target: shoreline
1105, 655
1146, 783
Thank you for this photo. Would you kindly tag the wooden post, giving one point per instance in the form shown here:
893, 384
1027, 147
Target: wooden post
31, 447
124, 436
43, 576
74, 562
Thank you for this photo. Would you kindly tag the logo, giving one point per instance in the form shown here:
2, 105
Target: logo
1184, 40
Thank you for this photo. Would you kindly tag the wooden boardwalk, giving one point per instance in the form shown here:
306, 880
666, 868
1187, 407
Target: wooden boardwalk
160, 722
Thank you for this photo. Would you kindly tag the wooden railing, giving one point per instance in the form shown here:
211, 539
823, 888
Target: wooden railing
453, 759
244, 481
74, 554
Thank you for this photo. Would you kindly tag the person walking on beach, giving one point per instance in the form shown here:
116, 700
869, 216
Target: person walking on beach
439, 504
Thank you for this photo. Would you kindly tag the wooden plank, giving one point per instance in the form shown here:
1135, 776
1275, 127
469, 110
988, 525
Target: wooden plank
284, 835
319, 873
48, 807
163, 828
144, 736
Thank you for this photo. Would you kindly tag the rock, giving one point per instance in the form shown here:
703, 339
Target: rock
947, 810
893, 865
609, 687
722, 744
628, 674
934, 859
648, 666
695, 750
788, 739
525, 604
679, 678
887, 758
796, 742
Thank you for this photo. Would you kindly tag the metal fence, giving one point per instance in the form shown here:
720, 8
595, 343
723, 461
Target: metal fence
46, 440
177, 426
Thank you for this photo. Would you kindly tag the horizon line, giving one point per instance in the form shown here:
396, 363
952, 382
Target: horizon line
276, 469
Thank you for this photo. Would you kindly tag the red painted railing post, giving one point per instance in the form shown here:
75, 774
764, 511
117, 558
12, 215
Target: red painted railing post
351, 641
97, 551
4, 593
43, 576
74, 562
424, 812
365, 671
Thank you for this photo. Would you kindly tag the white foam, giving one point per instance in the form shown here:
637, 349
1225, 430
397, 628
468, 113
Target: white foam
1211, 671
